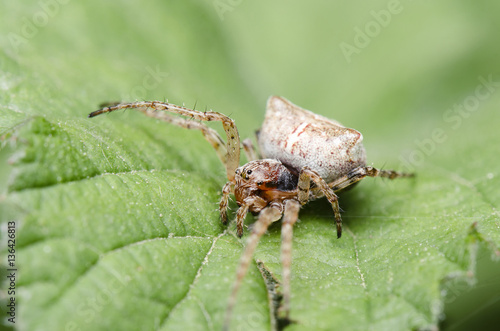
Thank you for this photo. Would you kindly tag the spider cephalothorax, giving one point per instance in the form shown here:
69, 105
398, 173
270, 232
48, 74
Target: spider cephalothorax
305, 156
264, 181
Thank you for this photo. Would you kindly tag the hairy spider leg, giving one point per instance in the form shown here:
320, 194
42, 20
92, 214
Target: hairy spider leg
361, 172
305, 177
242, 213
268, 215
290, 216
210, 134
229, 152
226, 191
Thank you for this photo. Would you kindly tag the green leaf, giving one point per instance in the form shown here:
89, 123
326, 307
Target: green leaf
117, 217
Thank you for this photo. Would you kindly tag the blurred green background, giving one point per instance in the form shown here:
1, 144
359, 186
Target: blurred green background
395, 70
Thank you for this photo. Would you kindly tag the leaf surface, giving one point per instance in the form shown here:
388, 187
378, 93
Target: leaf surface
117, 216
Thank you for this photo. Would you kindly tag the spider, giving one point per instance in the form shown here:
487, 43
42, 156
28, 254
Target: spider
305, 156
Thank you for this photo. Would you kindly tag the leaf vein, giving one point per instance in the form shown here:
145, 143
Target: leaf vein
195, 279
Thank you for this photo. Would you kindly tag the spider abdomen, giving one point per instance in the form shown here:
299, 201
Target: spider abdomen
300, 138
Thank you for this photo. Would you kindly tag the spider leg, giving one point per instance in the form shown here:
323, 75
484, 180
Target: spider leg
241, 214
305, 177
289, 218
250, 150
226, 191
361, 172
228, 153
268, 215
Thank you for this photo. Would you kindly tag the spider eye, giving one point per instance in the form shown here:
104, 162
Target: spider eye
260, 183
249, 172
